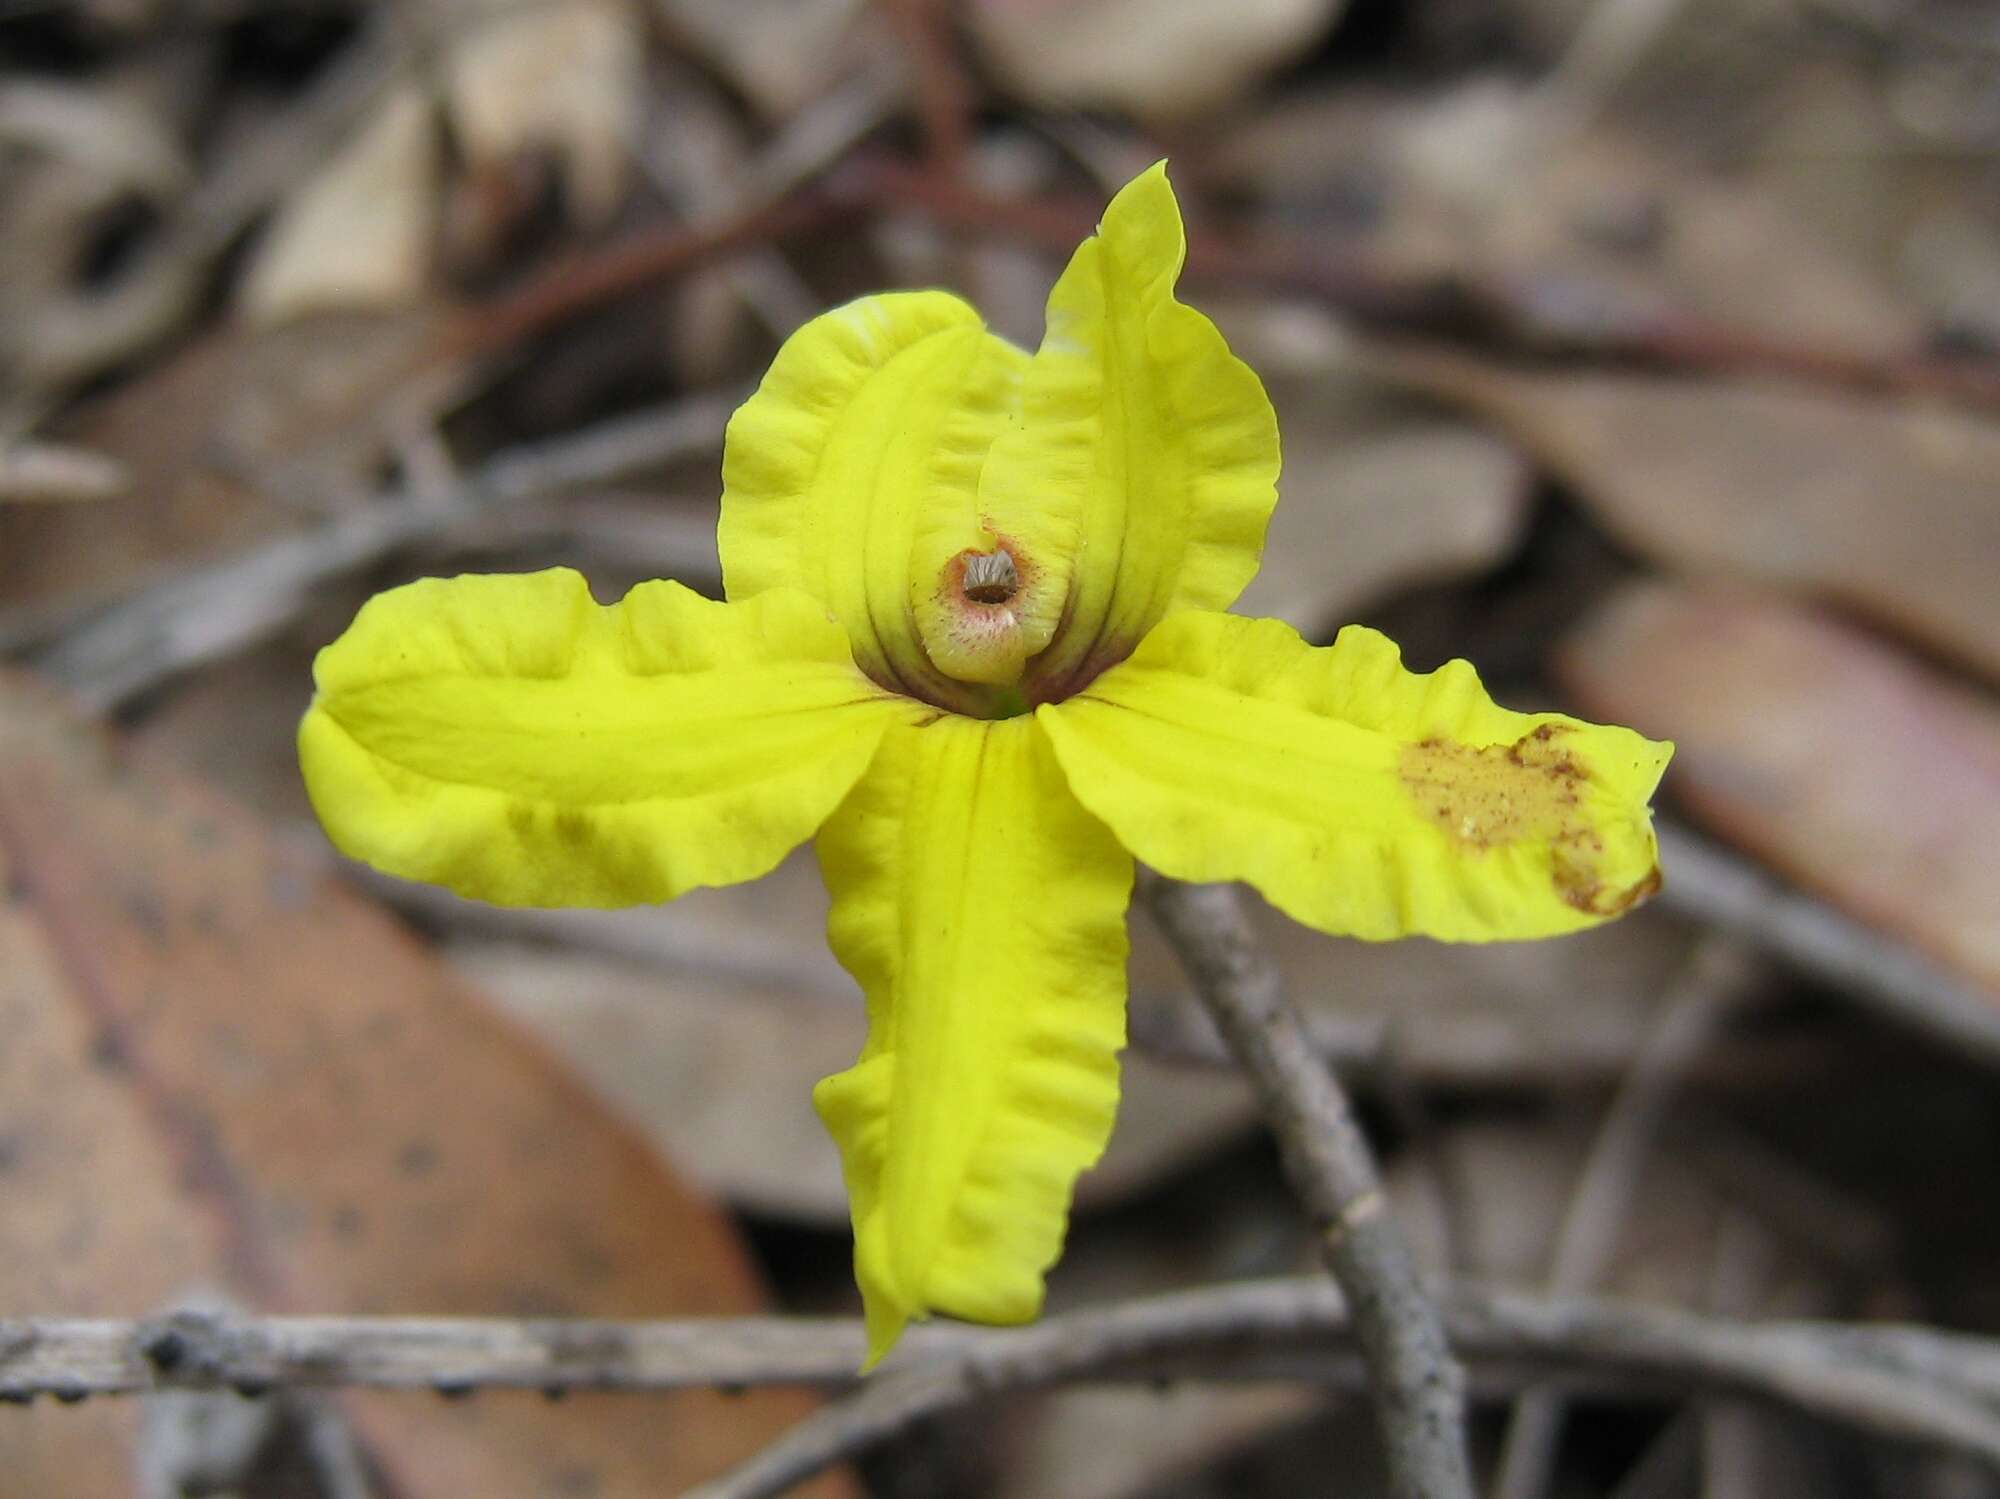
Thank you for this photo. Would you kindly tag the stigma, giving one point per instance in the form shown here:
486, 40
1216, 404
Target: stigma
989, 577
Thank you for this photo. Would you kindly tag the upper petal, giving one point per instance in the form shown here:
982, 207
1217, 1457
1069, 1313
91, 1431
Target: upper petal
1360, 798
853, 471
983, 913
512, 739
1145, 464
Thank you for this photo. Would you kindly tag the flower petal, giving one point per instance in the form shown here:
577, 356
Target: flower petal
982, 911
512, 739
861, 449
1360, 798
1146, 462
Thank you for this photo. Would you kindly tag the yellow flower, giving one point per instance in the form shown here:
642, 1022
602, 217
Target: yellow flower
973, 641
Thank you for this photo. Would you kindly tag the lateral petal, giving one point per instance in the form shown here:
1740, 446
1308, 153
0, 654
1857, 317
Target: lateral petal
861, 449
1360, 798
1146, 461
983, 913
512, 739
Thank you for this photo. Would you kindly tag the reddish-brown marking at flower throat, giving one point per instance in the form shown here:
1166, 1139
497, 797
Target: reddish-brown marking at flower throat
985, 578
1102, 656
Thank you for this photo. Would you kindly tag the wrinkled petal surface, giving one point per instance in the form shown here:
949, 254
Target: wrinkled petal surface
853, 473
1145, 465
510, 738
983, 913
1360, 798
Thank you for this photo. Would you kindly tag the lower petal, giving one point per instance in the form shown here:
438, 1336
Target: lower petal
1360, 798
983, 913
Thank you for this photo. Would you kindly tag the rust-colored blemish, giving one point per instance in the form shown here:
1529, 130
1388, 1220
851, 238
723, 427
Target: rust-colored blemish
1581, 889
1530, 791
1502, 793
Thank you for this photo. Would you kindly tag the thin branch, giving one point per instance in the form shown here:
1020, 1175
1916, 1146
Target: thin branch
571, 285
1727, 892
945, 94
208, 613
1782, 1363
1733, 1436
1906, 1383
1866, 1377
58, 473
772, 201
1418, 1388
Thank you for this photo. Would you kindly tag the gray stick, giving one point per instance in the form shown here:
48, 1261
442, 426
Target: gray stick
1418, 1387
1904, 1383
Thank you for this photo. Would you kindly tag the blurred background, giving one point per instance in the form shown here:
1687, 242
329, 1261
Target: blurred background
1642, 351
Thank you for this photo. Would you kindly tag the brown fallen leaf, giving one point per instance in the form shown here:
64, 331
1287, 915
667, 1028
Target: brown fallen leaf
780, 54
1171, 59
1892, 508
1857, 771
1586, 229
567, 79
360, 235
1411, 500
225, 1069
195, 433
1605, 210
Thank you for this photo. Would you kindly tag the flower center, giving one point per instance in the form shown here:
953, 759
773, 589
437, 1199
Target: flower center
990, 577
980, 617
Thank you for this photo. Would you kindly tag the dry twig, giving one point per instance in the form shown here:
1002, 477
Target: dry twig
1418, 1389
208, 613
56, 472
945, 95
1905, 1383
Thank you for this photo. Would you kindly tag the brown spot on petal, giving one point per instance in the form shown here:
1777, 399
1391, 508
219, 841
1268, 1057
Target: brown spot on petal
1530, 791
1502, 793
1579, 886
